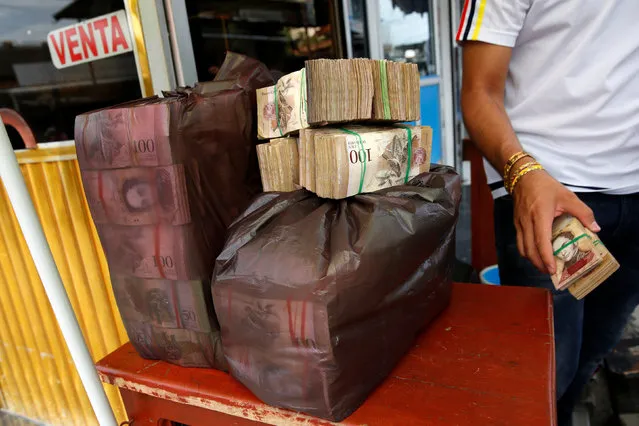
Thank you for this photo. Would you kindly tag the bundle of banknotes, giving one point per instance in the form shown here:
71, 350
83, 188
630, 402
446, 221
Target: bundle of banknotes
341, 162
180, 346
583, 261
339, 91
279, 164
165, 303
164, 177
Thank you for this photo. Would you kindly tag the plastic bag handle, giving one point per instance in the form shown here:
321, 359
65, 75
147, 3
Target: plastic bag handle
12, 118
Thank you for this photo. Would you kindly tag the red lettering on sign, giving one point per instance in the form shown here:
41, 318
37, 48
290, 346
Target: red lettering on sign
117, 35
73, 44
100, 25
88, 40
58, 45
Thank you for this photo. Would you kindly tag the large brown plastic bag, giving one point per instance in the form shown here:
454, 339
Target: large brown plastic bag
319, 299
164, 178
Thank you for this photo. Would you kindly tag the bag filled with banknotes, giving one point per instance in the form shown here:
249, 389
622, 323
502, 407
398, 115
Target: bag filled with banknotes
319, 299
164, 177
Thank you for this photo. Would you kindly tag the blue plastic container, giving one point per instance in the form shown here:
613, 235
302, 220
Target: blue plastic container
490, 275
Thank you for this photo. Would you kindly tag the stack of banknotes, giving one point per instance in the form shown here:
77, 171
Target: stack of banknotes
341, 162
583, 262
341, 116
279, 164
164, 178
339, 91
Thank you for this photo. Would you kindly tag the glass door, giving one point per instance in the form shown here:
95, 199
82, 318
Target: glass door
280, 33
407, 31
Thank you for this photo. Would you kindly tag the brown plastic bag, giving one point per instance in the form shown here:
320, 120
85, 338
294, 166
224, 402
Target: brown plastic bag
319, 299
164, 178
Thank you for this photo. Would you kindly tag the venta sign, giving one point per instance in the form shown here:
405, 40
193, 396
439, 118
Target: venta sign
97, 38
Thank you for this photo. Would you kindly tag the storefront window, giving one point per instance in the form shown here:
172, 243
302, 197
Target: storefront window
357, 22
407, 32
280, 33
46, 97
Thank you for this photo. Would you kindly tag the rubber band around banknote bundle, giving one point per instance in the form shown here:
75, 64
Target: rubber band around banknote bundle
384, 79
409, 148
176, 302
569, 243
277, 109
363, 163
295, 341
101, 197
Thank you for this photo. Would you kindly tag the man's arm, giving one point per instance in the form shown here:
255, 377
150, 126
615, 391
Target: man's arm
538, 198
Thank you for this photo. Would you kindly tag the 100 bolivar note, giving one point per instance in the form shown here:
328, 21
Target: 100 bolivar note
282, 107
574, 251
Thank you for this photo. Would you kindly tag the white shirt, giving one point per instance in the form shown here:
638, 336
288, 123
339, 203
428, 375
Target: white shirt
572, 92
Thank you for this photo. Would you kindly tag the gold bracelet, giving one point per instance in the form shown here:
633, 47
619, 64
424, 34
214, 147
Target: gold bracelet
508, 180
512, 160
524, 172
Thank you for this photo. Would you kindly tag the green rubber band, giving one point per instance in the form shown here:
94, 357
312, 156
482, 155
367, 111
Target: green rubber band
363, 168
384, 78
277, 111
409, 133
569, 243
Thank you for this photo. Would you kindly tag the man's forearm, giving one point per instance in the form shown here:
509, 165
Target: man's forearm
489, 126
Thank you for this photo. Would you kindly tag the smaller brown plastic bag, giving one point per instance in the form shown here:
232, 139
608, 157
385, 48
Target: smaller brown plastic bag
319, 299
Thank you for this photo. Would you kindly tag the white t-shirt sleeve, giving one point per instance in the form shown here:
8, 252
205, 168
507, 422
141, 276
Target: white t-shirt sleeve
493, 21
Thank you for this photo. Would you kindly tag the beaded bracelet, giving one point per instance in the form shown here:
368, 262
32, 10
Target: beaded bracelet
512, 160
530, 167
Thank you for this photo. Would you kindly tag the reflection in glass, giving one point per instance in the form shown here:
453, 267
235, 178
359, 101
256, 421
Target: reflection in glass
406, 32
280, 33
48, 98
357, 21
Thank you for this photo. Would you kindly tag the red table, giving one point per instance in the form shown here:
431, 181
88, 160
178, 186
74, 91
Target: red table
487, 360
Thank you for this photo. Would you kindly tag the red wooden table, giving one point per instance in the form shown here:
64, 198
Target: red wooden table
487, 360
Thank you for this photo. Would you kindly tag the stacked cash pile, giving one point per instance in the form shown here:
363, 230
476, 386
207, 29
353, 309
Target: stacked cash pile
339, 91
164, 178
583, 262
338, 162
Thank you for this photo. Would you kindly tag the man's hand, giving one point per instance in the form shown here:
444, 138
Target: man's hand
539, 199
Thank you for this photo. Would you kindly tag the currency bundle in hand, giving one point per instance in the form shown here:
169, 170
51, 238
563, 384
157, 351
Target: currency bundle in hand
164, 303
339, 91
341, 162
279, 164
138, 196
582, 260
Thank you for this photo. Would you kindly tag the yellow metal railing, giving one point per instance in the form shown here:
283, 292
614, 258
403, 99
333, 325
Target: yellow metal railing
37, 376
